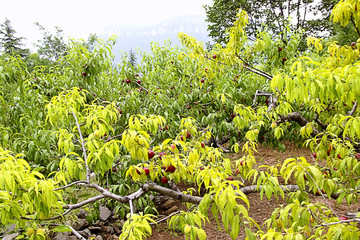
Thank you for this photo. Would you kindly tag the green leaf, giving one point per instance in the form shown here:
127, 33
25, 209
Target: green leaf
61, 228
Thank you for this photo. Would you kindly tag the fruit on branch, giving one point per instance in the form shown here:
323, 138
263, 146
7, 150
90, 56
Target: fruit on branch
242, 163
314, 154
127, 80
188, 135
267, 101
182, 138
202, 145
273, 125
164, 180
342, 218
202, 80
138, 81
188, 106
114, 169
147, 171
84, 74
214, 56
151, 154
280, 49
329, 150
120, 111
161, 154
357, 156
230, 178
284, 59
170, 169
232, 115
339, 156
237, 171
353, 45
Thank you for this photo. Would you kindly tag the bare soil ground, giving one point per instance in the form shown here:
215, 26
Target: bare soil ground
260, 209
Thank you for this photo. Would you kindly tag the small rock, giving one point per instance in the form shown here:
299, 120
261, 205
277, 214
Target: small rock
107, 229
85, 233
171, 210
82, 213
73, 238
62, 236
11, 236
79, 224
168, 204
98, 237
105, 213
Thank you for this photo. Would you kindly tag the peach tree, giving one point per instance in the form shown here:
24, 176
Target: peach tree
154, 125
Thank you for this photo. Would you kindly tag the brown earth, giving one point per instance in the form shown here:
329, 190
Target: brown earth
260, 209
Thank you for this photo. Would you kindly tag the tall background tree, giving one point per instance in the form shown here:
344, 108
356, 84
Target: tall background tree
9, 43
51, 46
309, 15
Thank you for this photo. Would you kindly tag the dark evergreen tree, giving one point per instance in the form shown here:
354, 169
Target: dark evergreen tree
132, 58
9, 43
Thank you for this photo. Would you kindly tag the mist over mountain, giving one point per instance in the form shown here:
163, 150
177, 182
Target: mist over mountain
140, 37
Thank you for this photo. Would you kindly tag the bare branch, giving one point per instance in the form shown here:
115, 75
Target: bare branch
131, 208
71, 184
78, 235
353, 109
297, 117
83, 148
147, 91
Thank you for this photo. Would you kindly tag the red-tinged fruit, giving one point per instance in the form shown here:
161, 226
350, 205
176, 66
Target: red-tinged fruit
151, 154
237, 171
279, 49
147, 171
114, 169
339, 156
173, 146
127, 80
214, 56
138, 81
188, 135
357, 156
232, 115
202, 145
161, 154
84, 74
202, 80
230, 178
314, 154
284, 59
342, 218
164, 180
182, 138
170, 169
188, 106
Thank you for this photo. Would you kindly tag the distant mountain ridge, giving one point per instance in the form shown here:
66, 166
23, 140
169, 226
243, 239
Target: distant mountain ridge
141, 37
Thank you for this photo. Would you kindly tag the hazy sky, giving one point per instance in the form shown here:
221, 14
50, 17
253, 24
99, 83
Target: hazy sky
79, 18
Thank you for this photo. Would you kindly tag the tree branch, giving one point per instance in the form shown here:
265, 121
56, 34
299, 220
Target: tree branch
83, 148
